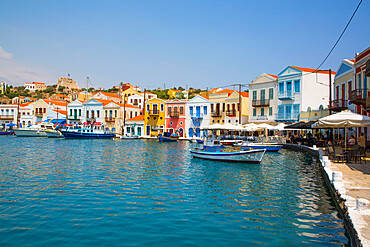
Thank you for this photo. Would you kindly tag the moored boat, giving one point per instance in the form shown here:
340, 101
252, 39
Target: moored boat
37, 130
167, 137
214, 150
53, 134
269, 147
90, 131
129, 137
7, 132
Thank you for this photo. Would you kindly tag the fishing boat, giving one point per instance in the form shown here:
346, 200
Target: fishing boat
53, 134
86, 131
167, 137
269, 147
214, 150
37, 130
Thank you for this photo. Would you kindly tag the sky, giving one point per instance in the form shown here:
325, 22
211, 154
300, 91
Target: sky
199, 44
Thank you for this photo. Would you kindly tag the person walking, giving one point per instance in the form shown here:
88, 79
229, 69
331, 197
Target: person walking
362, 142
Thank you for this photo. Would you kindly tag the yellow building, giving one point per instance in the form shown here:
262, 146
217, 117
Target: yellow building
313, 115
218, 105
154, 122
81, 95
233, 108
128, 92
172, 93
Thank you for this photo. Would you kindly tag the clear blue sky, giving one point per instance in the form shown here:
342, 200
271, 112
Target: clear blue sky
196, 43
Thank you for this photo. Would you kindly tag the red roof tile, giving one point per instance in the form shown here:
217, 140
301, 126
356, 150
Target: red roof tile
312, 70
275, 76
137, 118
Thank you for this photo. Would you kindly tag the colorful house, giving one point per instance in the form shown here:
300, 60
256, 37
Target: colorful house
154, 117
237, 108
108, 96
134, 126
175, 117
35, 86
218, 105
197, 115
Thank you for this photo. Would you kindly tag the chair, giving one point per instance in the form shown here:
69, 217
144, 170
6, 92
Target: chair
359, 154
339, 154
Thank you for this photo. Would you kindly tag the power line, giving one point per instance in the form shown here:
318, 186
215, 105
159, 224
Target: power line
340, 35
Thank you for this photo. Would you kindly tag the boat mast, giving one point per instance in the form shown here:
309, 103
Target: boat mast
86, 93
124, 110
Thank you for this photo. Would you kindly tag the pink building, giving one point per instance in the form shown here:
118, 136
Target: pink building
175, 116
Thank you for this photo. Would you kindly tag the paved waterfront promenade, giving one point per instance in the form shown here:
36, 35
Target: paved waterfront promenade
356, 192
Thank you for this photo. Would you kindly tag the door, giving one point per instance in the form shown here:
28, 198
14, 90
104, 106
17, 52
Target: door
190, 132
198, 111
75, 114
148, 130
197, 132
289, 88
343, 94
139, 131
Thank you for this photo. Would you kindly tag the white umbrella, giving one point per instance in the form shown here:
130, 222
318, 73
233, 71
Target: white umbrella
279, 127
343, 119
265, 126
213, 127
251, 127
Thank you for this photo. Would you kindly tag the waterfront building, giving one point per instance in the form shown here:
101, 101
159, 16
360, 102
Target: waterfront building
148, 95
68, 83
300, 88
35, 86
218, 105
26, 116
128, 111
44, 109
108, 96
136, 100
154, 117
85, 111
360, 94
128, 92
342, 87
264, 103
8, 114
74, 110
236, 106
175, 117
134, 126
111, 111
313, 114
197, 115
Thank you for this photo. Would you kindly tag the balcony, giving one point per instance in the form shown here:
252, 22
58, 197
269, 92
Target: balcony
216, 114
358, 96
74, 117
153, 112
110, 119
287, 95
173, 114
6, 117
39, 114
196, 116
261, 103
91, 119
286, 118
231, 113
338, 105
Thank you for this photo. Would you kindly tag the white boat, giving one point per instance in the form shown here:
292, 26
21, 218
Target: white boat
37, 130
129, 137
53, 134
269, 147
213, 150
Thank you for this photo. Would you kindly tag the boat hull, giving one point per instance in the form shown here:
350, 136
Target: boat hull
11, 132
167, 139
252, 156
268, 148
53, 134
79, 135
129, 137
29, 133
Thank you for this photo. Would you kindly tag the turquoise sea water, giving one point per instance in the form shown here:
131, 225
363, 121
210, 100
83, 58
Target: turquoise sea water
144, 193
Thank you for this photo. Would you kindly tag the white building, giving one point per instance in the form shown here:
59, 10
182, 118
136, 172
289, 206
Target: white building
134, 126
300, 88
89, 111
197, 115
35, 86
8, 114
26, 114
263, 104
136, 100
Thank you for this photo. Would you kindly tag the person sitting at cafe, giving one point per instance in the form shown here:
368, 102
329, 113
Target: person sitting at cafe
352, 141
361, 141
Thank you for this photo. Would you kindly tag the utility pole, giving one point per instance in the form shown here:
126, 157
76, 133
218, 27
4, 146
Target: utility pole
329, 91
240, 103
18, 115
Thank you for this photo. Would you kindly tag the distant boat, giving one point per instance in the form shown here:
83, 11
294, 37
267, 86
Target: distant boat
129, 137
37, 130
90, 131
7, 132
269, 147
167, 137
214, 150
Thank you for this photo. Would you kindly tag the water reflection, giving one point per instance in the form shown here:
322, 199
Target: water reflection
143, 192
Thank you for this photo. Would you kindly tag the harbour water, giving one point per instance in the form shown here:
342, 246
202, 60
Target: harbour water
56, 192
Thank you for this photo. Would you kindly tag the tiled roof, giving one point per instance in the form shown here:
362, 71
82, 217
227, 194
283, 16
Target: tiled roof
105, 101
228, 91
312, 70
128, 106
245, 94
55, 102
61, 112
275, 76
137, 118
113, 95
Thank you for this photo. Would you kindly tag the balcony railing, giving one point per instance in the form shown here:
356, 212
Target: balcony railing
39, 114
261, 103
216, 114
153, 112
287, 117
358, 96
197, 116
91, 119
6, 117
173, 114
110, 119
287, 95
74, 117
338, 105
231, 113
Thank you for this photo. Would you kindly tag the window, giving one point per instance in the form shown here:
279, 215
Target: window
281, 87
254, 112
79, 112
263, 94
98, 113
223, 107
262, 111
191, 110
115, 113
181, 110
70, 111
297, 86
106, 113
271, 93
254, 95
296, 111
171, 123
359, 81
130, 114
147, 107
288, 111
280, 112
205, 110
162, 107
270, 111
180, 123
212, 108
289, 88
